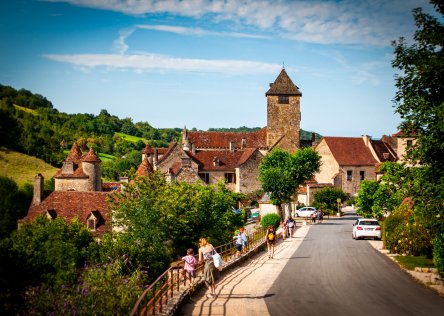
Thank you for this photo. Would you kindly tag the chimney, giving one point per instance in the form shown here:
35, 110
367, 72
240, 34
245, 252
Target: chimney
156, 157
232, 147
38, 189
366, 140
243, 143
313, 138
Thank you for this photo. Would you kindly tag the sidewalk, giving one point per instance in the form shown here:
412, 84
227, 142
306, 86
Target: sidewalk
241, 292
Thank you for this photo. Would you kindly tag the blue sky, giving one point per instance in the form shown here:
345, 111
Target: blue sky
203, 64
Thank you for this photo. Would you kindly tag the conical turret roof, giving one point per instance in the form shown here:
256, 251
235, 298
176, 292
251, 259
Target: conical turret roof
91, 156
75, 154
144, 169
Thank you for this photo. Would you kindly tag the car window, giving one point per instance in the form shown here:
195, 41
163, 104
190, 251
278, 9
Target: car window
370, 223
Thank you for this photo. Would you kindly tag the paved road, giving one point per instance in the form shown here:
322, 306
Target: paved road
332, 274
322, 271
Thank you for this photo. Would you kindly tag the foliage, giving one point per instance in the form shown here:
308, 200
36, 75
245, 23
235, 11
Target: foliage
404, 234
420, 103
161, 220
438, 253
101, 289
14, 204
271, 219
327, 197
282, 173
376, 198
41, 252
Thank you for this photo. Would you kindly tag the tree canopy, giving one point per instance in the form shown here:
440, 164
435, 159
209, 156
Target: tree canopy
281, 173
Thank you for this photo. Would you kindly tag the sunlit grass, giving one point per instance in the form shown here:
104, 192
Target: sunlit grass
133, 139
411, 262
31, 111
23, 168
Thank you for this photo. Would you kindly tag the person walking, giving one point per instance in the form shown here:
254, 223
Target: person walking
206, 251
291, 225
190, 266
284, 226
271, 240
239, 243
320, 217
244, 239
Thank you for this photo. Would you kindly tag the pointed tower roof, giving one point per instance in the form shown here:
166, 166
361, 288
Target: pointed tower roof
91, 156
75, 154
147, 149
283, 86
144, 169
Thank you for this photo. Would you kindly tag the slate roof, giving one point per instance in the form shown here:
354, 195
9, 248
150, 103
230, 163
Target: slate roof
384, 151
350, 151
221, 140
283, 86
71, 204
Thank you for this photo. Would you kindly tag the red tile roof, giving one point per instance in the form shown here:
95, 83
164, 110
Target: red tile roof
383, 151
227, 160
75, 154
219, 140
145, 168
91, 156
71, 204
78, 173
350, 151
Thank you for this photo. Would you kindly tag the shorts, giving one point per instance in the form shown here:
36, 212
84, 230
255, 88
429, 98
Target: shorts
190, 273
239, 247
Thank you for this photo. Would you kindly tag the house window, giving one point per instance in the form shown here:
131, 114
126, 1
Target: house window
283, 99
409, 143
205, 177
91, 224
349, 175
361, 175
230, 177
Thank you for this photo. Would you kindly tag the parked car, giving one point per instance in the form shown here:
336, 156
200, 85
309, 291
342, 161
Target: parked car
305, 211
366, 227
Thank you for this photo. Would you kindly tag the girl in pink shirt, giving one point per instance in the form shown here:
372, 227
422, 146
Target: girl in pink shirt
190, 266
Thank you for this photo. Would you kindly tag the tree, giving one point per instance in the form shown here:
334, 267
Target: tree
282, 173
420, 103
328, 198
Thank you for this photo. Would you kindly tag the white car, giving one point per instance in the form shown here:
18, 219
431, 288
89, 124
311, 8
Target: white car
366, 227
305, 211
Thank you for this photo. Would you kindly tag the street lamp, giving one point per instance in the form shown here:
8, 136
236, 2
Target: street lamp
339, 207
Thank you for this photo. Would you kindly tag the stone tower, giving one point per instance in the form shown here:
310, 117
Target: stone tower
91, 167
283, 113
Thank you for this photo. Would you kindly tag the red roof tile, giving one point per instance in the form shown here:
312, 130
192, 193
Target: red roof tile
145, 168
71, 204
219, 140
227, 160
75, 154
350, 151
91, 156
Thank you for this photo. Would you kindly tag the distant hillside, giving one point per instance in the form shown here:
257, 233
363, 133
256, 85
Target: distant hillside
22, 168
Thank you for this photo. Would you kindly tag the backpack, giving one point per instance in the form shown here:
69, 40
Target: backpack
270, 236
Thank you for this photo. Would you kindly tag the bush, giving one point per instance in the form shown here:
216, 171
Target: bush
271, 219
438, 253
389, 226
412, 239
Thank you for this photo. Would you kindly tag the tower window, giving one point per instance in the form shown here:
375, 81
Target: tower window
283, 99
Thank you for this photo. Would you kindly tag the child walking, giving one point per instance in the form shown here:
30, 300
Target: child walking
190, 266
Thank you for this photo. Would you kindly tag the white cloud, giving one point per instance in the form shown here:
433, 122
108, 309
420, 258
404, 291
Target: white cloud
364, 22
153, 62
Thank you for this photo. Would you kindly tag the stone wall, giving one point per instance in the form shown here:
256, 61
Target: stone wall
247, 175
283, 119
352, 186
72, 184
329, 167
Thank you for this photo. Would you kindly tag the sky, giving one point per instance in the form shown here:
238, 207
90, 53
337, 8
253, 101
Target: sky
208, 64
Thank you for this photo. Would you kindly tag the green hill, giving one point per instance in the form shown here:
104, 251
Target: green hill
22, 168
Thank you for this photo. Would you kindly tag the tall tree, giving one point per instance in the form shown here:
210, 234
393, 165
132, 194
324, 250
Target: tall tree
281, 173
420, 103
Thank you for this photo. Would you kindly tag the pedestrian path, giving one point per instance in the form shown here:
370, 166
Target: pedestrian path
241, 292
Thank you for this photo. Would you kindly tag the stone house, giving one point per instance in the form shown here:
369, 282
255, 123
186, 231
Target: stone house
347, 161
79, 192
233, 157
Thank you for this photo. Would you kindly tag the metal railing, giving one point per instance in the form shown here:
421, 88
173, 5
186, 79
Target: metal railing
154, 299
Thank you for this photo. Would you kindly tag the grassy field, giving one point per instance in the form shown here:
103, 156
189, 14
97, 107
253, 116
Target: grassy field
22, 168
33, 112
130, 138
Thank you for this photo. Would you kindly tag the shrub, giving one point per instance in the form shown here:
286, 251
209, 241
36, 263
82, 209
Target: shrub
271, 219
389, 226
412, 239
438, 253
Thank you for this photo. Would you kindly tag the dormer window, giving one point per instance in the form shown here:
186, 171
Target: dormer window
283, 99
94, 220
51, 214
91, 223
